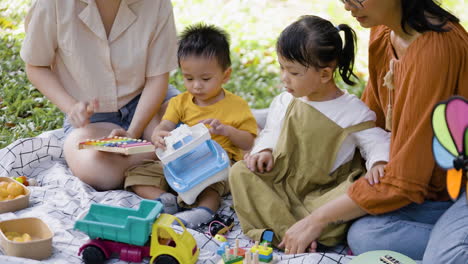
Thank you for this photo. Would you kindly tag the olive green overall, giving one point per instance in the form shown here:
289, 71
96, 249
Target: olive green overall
300, 180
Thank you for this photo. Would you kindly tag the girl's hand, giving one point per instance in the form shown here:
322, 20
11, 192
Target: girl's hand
262, 161
81, 112
158, 138
376, 172
301, 236
216, 127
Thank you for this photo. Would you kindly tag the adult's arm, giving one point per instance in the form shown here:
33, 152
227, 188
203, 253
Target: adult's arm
150, 102
299, 237
49, 85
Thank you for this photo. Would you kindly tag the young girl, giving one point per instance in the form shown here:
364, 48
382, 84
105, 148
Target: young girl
306, 154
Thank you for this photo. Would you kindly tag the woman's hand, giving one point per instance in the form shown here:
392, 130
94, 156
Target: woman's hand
261, 161
80, 113
301, 236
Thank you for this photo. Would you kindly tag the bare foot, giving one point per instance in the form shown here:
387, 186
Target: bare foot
313, 247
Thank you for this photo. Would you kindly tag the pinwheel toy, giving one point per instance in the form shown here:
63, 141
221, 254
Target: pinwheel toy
450, 143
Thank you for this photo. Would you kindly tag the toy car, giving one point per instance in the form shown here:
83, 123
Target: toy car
126, 232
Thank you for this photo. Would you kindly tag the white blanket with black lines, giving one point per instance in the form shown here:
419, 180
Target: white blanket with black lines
60, 198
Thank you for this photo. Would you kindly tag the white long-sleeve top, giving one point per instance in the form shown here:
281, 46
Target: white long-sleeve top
345, 111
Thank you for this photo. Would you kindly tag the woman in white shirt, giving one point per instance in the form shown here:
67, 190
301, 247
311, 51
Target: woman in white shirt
106, 65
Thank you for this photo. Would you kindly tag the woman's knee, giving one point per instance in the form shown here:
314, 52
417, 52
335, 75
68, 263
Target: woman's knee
366, 233
448, 242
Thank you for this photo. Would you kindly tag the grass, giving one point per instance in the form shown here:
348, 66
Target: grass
253, 25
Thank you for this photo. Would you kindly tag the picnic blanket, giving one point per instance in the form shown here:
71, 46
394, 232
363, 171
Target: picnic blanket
60, 199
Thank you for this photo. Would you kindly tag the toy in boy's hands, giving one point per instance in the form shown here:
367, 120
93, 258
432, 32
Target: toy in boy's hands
216, 127
192, 161
450, 143
261, 161
376, 172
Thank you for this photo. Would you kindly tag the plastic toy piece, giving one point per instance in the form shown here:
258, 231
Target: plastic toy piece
265, 252
122, 145
125, 232
267, 236
450, 143
382, 257
255, 255
220, 225
192, 161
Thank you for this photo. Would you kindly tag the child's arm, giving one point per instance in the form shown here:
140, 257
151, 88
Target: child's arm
376, 172
160, 132
374, 144
240, 138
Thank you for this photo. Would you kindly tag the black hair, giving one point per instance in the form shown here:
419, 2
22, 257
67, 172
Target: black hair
416, 14
314, 42
206, 41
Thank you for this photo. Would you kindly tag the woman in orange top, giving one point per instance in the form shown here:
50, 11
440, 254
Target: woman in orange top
418, 56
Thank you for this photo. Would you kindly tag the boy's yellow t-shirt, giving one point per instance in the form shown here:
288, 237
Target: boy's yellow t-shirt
231, 110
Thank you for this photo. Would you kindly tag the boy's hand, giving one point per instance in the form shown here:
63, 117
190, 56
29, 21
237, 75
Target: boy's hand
261, 161
81, 112
216, 127
376, 172
158, 138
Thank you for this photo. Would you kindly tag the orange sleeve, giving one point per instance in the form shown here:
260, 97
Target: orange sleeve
433, 70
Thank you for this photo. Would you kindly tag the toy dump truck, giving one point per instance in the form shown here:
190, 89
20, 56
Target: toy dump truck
126, 233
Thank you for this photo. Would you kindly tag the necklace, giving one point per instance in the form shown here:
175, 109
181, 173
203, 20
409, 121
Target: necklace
388, 82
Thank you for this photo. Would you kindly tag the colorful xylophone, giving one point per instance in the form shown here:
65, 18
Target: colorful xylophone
126, 146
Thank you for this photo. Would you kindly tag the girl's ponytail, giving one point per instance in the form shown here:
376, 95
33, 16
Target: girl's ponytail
346, 58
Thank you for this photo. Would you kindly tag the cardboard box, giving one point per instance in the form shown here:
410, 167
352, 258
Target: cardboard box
40, 246
15, 204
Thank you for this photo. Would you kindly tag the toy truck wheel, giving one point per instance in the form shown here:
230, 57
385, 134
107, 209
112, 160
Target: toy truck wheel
165, 259
93, 255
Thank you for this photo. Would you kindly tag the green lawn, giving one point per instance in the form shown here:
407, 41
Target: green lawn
254, 26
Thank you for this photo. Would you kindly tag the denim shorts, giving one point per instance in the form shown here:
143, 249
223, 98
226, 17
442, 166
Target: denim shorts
123, 117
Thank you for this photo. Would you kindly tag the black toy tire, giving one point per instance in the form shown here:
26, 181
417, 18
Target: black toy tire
165, 259
93, 255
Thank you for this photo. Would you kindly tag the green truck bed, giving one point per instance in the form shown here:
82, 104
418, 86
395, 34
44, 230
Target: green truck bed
120, 224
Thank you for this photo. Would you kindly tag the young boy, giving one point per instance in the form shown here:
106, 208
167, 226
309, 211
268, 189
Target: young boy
204, 60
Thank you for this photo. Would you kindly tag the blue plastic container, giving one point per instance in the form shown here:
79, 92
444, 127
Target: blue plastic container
194, 167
